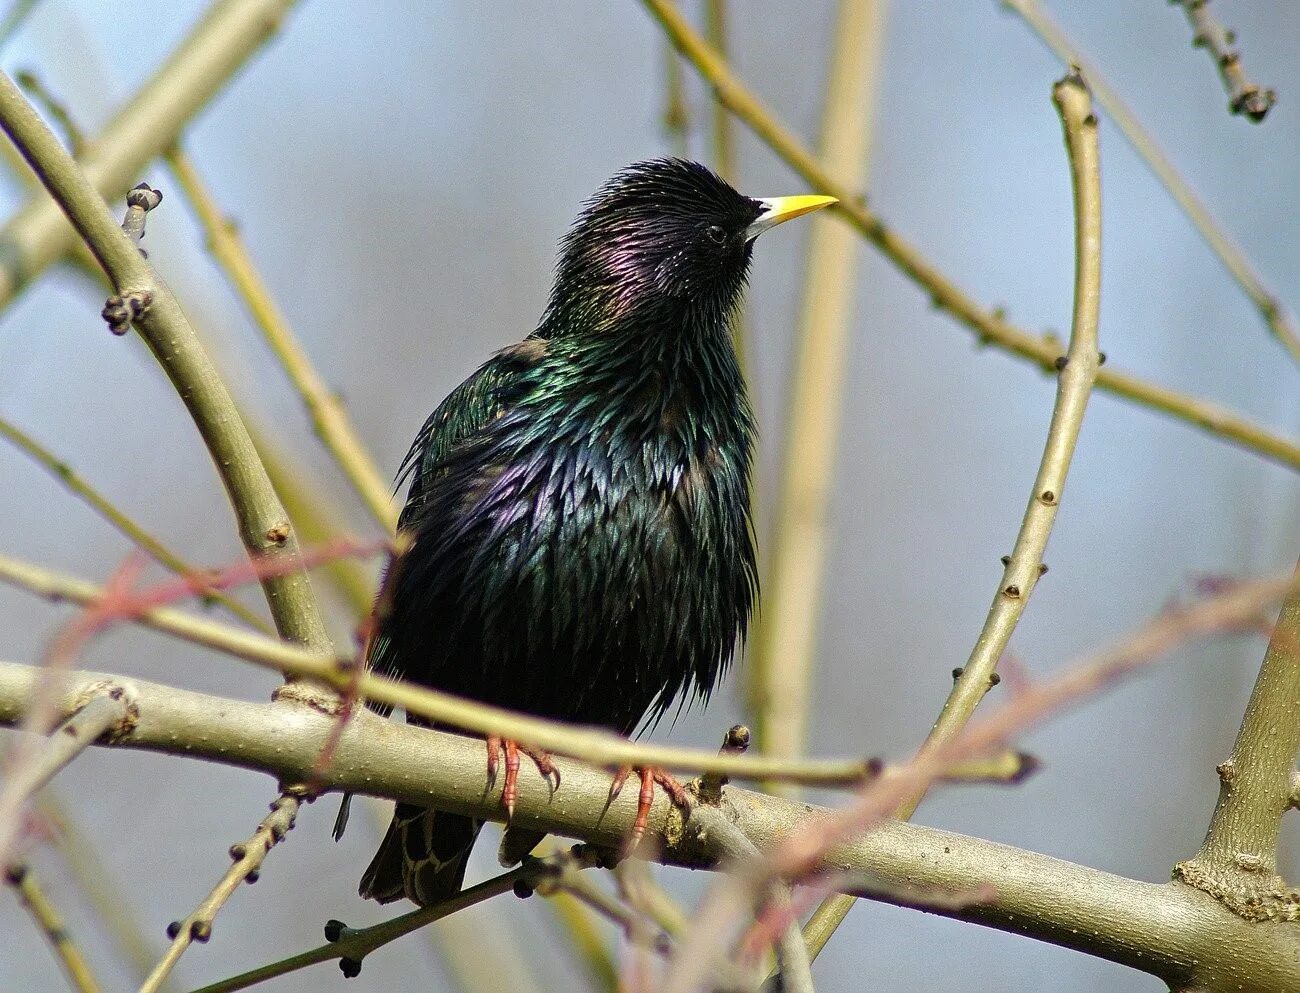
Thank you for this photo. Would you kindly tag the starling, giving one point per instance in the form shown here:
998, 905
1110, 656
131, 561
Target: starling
578, 520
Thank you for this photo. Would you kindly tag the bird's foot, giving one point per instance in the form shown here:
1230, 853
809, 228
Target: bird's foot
649, 776
497, 746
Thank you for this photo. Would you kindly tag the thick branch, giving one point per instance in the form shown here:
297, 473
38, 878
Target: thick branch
1170, 930
1238, 861
990, 326
263, 524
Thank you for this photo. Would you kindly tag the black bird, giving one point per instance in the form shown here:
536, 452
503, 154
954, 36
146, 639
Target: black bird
578, 516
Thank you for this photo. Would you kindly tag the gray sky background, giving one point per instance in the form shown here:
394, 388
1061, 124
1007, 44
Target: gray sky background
402, 173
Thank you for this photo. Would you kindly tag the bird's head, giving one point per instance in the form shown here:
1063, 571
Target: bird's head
660, 232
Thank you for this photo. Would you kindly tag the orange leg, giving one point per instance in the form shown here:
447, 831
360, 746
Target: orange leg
649, 776
512, 749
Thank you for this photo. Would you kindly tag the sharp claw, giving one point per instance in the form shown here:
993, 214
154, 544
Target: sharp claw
493, 747
616, 785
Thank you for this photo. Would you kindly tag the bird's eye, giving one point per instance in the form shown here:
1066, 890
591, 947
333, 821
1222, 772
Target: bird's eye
715, 234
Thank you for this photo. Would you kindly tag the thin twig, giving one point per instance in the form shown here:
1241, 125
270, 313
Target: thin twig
227, 36
34, 764
247, 858
144, 301
1078, 372
989, 326
78, 486
329, 417
1244, 97
784, 646
54, 108
596, 746
350, 946
1275, 315
51, 925
1237, 863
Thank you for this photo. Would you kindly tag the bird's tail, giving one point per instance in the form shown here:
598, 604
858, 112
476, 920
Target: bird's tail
422, 857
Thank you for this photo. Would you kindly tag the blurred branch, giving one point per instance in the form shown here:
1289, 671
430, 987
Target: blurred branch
51, 925
95, 879
1244, 97
14, 19
70, 478
781, 661
1169, 930
724, 144
330, 419
247, 858
146, 302
1275, 316
1238, 860
990, 327
227, 37
593, 745
677, 120
33, 764
1077, 374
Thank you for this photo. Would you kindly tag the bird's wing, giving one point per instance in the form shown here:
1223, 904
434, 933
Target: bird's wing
467, 409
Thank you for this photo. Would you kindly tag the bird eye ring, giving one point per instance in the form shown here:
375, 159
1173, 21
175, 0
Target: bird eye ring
715, 234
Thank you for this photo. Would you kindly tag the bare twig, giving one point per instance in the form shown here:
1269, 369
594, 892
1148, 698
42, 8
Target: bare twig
54, 108
33, 764
143, 300
599, 747
47, 919
1275, 315
1244, 97
115, 516
248, 858
784, 646
990, 326
328, 415
139, 201
1077, 374
1237, 864
350, 946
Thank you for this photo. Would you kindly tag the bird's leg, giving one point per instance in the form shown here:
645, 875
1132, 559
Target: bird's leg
497, 745
649, 776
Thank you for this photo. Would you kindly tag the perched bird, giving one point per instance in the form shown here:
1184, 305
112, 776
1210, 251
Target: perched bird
578, 517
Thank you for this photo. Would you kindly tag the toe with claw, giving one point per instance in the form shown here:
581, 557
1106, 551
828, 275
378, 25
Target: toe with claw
649, 776
496, 747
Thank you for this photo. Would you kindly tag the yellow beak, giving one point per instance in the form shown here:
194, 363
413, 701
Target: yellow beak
776, 210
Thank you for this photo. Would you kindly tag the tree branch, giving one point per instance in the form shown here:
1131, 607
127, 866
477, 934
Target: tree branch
1275, 316
785, 640
594, 745
1237, 863
329, 417
247, 858
32, 765
989, 326
1170, 930
47, 919
1244, 97
1077, 375
227, 36
119, 519
146, 302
